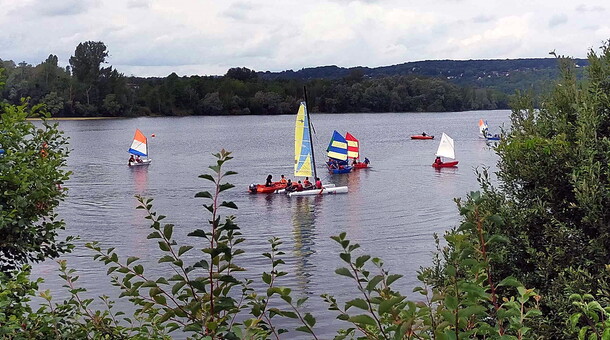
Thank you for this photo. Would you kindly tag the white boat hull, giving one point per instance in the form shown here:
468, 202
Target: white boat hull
323, 191
144, 162
283, 191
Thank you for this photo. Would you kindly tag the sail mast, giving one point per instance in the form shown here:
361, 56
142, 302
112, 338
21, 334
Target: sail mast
313, 159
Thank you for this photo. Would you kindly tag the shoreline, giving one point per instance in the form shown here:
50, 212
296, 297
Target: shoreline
77, 118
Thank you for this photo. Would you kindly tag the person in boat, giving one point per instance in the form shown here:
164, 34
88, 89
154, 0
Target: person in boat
289, 186
268, 181
366, 161
283, 180
438, 161
298, 186
131, 160
307, 184
424, 134
138, 159
354, 162
318, 183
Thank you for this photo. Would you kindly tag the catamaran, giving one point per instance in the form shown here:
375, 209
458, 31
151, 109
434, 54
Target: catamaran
353, 152
304, 160
139, 148
337, 155
446, 148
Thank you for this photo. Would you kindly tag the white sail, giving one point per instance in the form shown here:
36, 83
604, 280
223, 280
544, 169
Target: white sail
446, 148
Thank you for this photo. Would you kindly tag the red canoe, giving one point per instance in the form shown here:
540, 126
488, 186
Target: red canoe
445, 165
422, 137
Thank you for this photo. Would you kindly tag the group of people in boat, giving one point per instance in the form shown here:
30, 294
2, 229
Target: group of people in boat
356, 161
336, 164
135, 159
291, 186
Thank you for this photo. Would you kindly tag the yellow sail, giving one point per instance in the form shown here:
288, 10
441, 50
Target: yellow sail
303, 160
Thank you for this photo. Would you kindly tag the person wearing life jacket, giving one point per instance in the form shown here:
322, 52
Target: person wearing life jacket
283, 180
438, 161
318, 183
307, 184
131, 160
298, 186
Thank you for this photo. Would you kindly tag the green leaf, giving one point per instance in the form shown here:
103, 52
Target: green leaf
392, 278
208, 177
344, 271
228, 205
360, 303
132, 259
451, 302
168, 230
363, 319
361, 260
203, 194
184, 249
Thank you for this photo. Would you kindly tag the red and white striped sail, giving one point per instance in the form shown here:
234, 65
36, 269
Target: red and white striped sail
353, 147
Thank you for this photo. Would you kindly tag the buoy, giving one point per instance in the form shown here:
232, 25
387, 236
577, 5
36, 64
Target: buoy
153, 135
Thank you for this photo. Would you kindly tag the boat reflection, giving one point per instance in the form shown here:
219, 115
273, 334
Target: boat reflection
303, 221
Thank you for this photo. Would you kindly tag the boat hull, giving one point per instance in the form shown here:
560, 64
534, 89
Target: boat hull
360, 166
144, 162
263, 189
445, 165
323, 191
345, 170
421, 137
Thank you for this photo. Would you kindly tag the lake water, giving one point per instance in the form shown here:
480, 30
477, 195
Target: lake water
391, 210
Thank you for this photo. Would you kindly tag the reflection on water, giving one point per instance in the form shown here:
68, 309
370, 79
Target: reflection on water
303, 222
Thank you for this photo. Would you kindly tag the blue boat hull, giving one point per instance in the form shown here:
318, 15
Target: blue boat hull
345, 170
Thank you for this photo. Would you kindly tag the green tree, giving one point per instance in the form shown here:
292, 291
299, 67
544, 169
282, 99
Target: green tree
555, 185
31, 174
86, 63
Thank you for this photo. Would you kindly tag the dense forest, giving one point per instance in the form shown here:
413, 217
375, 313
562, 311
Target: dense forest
87, 87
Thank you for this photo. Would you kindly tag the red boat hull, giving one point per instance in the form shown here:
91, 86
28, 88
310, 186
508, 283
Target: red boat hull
445, 165
262, 189
422, 137
360, 166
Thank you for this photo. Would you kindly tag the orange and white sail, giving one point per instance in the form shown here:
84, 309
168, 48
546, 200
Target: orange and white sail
139, 146
353, 147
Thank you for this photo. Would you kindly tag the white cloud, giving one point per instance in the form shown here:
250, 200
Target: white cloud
146, 37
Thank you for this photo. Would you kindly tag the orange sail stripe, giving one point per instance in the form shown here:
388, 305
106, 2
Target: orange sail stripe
139, 136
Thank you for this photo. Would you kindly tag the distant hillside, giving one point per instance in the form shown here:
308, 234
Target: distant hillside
506, 76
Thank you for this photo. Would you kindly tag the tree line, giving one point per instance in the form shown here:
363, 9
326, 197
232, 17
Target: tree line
88, 87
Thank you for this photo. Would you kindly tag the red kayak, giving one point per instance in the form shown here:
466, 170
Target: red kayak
262, 189
445, 165
422, 137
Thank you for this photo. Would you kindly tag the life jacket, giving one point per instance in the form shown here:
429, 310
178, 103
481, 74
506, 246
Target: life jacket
306, 183
319, 184
283, 181
299, 186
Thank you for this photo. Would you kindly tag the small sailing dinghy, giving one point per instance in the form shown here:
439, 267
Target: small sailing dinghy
337, 155
353, 152
139, 148
484, 129
304, 160
445, 149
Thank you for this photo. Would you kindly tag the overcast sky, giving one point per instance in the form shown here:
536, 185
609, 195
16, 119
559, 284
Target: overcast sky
207, 37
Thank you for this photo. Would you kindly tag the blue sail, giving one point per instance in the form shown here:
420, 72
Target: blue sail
337, 148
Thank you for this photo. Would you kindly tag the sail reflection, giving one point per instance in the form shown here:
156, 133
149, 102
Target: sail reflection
303, 220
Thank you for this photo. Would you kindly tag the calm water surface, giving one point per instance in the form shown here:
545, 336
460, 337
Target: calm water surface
392, 209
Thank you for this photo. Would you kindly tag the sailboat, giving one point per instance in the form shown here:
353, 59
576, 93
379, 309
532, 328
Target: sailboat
337, 154
353, 152
484, 129
139, 147
446, 149
304, 160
